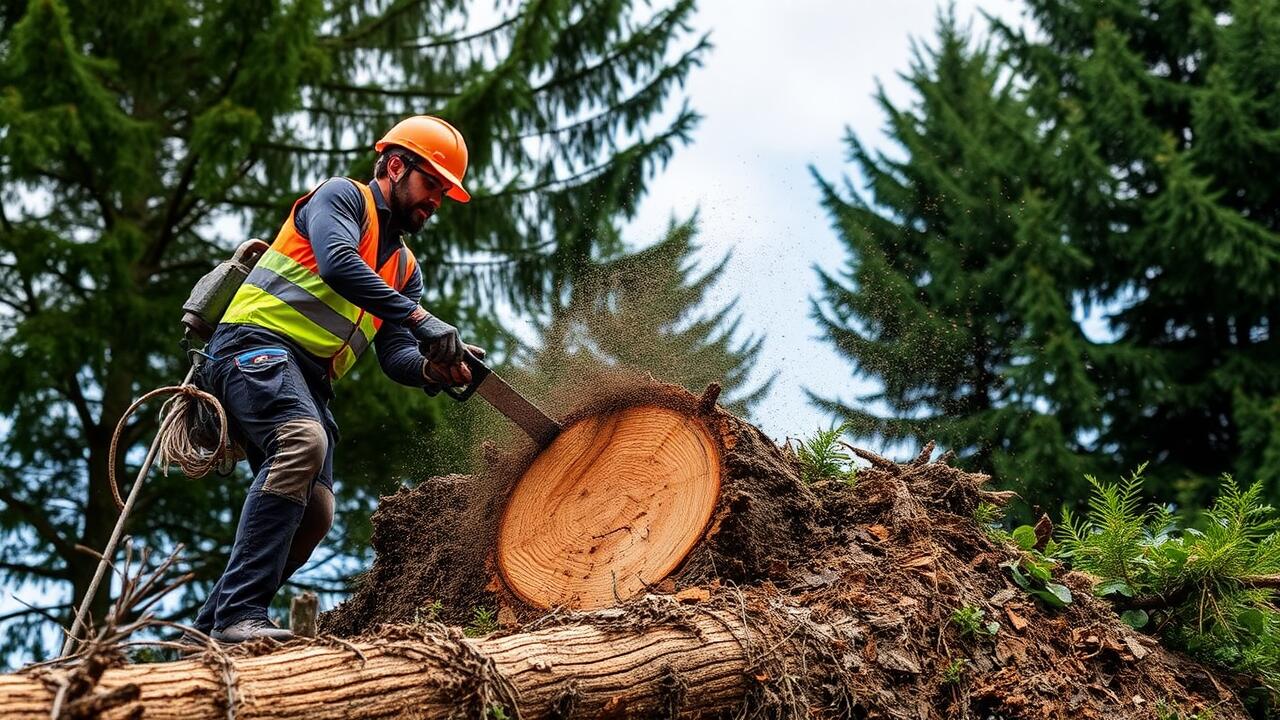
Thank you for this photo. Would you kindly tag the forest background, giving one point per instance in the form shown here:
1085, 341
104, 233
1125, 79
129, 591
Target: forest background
1047, 237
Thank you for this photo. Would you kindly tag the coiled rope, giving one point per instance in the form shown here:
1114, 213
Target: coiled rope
180, 441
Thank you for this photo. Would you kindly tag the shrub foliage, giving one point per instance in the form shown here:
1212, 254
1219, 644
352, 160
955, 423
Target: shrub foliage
1208, 590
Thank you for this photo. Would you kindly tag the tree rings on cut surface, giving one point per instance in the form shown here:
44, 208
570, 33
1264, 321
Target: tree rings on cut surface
615, 503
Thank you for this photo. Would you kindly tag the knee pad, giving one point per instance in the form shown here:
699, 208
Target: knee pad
300, 449
317, 518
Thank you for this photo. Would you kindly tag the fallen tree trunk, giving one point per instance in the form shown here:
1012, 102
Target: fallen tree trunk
739, 653
687, 661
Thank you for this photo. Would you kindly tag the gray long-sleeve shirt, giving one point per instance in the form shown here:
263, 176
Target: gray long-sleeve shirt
331, 220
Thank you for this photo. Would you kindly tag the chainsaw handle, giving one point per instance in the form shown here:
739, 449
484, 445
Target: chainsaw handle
479, 371
250, 251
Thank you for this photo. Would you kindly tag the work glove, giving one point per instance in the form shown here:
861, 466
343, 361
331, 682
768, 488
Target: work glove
438, 340
458, 374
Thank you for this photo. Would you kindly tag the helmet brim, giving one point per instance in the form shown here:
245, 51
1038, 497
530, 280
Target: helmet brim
456, 192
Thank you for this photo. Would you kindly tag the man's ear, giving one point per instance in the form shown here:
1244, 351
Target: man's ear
395, 168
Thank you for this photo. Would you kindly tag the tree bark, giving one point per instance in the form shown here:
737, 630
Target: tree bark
585, 671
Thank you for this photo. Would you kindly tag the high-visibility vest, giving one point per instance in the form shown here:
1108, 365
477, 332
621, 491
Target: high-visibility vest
284, 293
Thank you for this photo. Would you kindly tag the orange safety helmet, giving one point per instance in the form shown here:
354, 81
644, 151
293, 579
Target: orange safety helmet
435, 141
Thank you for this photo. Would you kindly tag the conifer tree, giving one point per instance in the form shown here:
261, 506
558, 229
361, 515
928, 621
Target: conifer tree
957, 298
137, 138
1172, 110
643, 311
1152, 140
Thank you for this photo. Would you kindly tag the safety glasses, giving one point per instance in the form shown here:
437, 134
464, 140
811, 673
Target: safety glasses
434, 182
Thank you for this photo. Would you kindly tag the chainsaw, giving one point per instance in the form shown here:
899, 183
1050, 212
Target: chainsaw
505, 399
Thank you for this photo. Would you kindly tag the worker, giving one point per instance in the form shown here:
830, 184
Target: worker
337, 279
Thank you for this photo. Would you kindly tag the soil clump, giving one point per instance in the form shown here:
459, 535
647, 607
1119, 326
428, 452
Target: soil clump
859, 583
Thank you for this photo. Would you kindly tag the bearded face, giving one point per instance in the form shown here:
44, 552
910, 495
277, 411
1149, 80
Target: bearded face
411, 205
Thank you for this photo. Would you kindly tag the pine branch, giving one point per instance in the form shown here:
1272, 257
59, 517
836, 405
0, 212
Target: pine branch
417, 93
312, 150
73, 393
155, 253
382, 116
546, 184
634, 105
176, 209
198, 208
634, 43
39, 521
42, 571
424, 44
387, 17
45, 612
19, 308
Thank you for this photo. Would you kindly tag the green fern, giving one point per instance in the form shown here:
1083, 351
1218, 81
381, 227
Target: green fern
1217, 610
1110, 542
823, 456
483, 622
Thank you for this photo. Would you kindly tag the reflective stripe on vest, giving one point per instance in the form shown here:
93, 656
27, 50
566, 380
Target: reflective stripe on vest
285, 294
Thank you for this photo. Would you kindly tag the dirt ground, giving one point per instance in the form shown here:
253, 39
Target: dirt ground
888, 559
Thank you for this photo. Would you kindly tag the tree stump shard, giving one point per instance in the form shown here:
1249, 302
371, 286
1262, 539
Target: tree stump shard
614, 504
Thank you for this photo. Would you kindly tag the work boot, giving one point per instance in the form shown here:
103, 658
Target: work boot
189, 645
251, 628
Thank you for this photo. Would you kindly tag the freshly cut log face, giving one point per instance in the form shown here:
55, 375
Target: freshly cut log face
733, 509
615, 503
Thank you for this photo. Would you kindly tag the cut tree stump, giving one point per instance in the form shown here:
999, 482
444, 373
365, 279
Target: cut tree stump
303, 610
648, 487
613, 505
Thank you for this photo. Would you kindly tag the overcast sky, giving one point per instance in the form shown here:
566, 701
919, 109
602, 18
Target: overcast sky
777, 91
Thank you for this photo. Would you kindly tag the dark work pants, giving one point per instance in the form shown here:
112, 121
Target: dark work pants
288, 436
